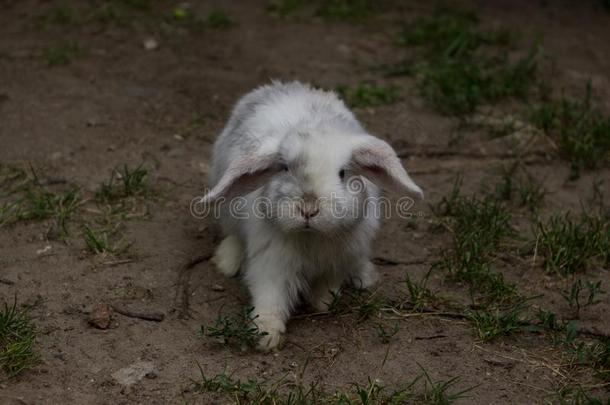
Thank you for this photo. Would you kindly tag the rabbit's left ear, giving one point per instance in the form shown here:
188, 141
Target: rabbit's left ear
377, 161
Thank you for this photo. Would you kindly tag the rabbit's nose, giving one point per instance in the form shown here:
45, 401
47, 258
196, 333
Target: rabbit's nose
309, 209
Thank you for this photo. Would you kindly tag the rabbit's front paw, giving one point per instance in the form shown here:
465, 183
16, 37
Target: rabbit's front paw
324, 293
274, 329
366, 277
322, 301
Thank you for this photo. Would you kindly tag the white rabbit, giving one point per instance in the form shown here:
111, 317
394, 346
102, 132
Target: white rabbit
295, 177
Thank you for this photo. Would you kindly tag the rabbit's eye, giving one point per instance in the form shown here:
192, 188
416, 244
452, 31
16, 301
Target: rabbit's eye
342, 174
283, 167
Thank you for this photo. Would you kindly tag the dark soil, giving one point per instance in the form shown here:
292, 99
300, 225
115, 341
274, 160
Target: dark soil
118, 103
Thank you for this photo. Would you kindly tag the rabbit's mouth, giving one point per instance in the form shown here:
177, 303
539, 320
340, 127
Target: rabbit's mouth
307, 227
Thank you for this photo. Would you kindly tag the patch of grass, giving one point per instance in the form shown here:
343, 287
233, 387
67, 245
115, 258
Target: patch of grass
517, 185
478, 226
440, 30
582, 353
7, 210
218, 18
595, 355
437, 392
368, 95
599, 358
36, 203
186, 17
96, 241
461, 66
124, 183
371, 393
575, 300
141, 5
124, 13
125, 195
452, 31
62, 14
24, 198
236, 330
119, 198
576, 395
504, 189
365, 303
491, 323
453, 88
12, 180
250, 391
547, 320
331, 10
349, 10
136, 15
431, 392
109, 13
563, 333
458, 87
39, 203
284, 8
531, 194
582, 132
386, 335
62, 53
448, 205
572, 245
45, 204
17, 336
27, 199
285, 392
420, 295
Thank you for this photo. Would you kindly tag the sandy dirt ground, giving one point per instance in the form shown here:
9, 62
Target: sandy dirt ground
118, 103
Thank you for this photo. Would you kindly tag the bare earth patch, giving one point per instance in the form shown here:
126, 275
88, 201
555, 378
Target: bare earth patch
108, 112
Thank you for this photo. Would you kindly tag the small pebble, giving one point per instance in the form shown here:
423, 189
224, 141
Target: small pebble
150, 44
100, 316
43, 250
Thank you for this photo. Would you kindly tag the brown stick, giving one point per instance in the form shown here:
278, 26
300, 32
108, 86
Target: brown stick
183, 292
590, 332
430, 337
117, 262
384, 261
6, 281
426, 311
593, 332
147, 316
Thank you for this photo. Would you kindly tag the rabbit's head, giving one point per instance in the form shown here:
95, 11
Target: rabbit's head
315, 181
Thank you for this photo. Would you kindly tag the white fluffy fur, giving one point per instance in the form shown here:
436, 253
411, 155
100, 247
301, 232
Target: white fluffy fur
229, 255
286, 142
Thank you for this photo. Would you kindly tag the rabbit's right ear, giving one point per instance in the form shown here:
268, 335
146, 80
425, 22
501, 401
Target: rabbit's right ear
380, 164
243, 176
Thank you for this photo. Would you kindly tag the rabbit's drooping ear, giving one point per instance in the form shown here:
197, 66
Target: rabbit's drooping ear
243, 176
377, 161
